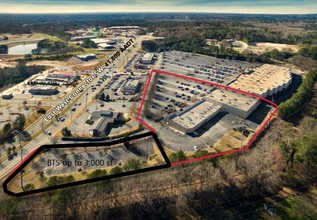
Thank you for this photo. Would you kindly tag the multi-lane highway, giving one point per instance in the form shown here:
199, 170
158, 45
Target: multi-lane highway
43, 130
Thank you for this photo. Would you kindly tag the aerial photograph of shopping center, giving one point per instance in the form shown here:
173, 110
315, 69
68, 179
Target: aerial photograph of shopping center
186, 108
158, 110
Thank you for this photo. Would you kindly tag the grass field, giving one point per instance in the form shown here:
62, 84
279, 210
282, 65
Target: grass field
46, 36
34, 116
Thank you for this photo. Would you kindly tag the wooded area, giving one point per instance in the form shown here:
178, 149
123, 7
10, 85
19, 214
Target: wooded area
280, 167
228, 187
298, 101
12, 76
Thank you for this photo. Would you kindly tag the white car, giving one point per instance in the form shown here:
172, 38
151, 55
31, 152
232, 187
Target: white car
196, 148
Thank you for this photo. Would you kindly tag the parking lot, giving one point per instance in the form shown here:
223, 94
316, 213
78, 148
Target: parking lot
203, 67
174, 94
79, 125
114, 87
135, 61
129, 67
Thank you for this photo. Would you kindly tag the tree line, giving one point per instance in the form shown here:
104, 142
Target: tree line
196, 44
54, 47
309, 51
298, 101
15, 75
210, 189
60, 57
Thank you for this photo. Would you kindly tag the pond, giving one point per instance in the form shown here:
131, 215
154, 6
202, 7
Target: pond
22, 49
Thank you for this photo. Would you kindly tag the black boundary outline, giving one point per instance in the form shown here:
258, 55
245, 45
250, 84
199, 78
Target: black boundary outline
81, 182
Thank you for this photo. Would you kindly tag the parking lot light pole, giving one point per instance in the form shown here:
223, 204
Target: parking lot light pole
22, 171
86, 101
242, 131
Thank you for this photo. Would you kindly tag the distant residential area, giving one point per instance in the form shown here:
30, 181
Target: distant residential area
228, 101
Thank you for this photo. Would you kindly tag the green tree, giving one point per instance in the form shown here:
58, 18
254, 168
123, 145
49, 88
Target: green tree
107, 98
41, 111
7, 128
102, 96
6, 133
50, 45
201, 153
66, 132
178, 156
9, 208
55, 181
28, 187
149, 45
87, 43
246, 40
58, 180
306, 154
132, 164
62, 199
19, 122
69, 179
309, 51
97, 173
303, 95
44, 43
116, 170
17, 74
3, 49
9, 149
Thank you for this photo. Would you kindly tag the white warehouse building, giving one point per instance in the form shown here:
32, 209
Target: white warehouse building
193, 117
266, 80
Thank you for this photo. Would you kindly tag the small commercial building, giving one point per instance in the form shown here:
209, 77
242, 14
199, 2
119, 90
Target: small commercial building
103, 113
147, 58
66, 78
57, 79
111, 42
99, 40
104, 40
44, 82
131, 86
124, 28
84, 36
79, 38
87, 57
106, 46
103, 121
63, 75
45, 90
139, 65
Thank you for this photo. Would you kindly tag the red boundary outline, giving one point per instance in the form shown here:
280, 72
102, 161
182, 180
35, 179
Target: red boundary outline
153, 130
214, 84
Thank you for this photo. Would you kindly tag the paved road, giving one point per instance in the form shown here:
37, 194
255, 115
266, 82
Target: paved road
21, 41
7, 166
